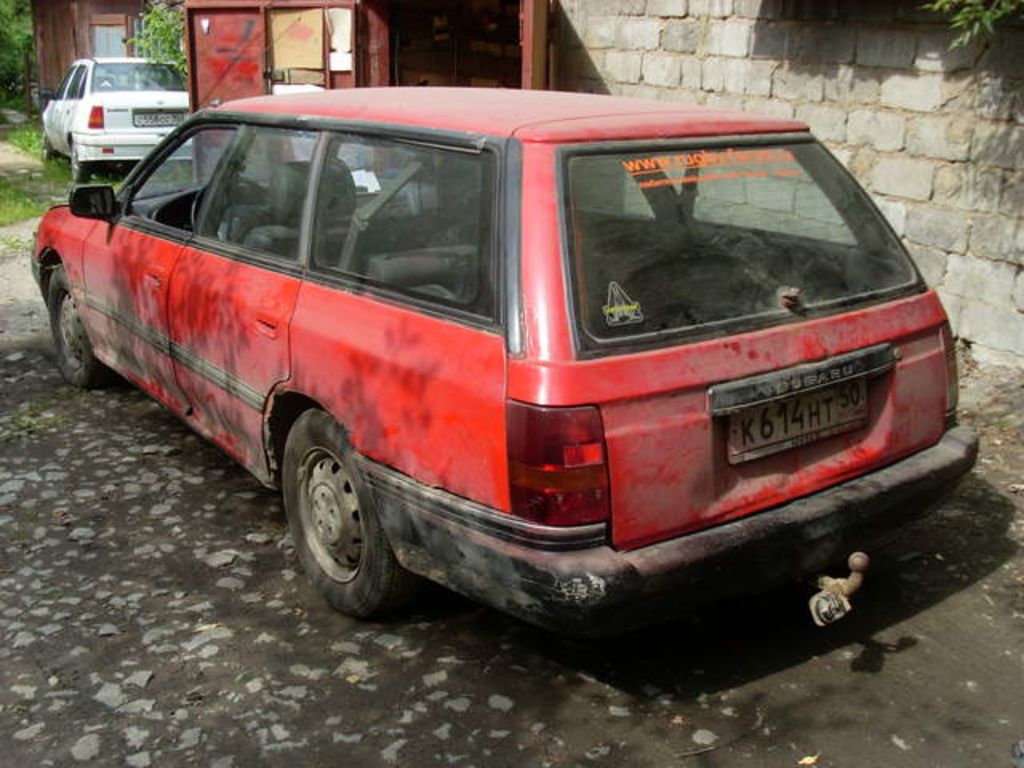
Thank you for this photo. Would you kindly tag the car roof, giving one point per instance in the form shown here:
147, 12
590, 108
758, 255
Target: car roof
111, 60
545, 116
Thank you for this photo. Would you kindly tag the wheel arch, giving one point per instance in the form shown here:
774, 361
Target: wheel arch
284, 407
49, 260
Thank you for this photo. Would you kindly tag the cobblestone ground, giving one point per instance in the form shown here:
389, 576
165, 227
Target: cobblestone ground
152, 612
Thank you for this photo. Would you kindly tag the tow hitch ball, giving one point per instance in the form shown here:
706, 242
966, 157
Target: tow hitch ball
833, 601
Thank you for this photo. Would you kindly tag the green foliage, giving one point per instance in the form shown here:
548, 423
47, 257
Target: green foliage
15, 40
162, 35
15, 205
972, 18
27, 137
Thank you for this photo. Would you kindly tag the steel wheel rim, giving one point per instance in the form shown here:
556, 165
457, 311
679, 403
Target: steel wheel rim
71, 331
331, 515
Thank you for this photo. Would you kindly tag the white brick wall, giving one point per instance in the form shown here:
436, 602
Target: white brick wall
884, 131
903, 177
936, 135
921, 93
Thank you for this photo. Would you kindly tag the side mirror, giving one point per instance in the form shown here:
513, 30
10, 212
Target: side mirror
45, 95
93, 201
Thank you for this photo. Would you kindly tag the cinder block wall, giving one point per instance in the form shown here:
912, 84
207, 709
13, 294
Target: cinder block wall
936, 135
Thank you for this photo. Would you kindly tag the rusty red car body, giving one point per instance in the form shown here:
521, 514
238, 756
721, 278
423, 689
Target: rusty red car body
582, 471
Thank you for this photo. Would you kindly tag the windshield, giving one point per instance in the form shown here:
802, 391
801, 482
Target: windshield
136, 77
670, 241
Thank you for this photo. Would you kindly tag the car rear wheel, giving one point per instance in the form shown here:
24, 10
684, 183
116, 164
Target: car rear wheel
334, 523
79, 170
75, 358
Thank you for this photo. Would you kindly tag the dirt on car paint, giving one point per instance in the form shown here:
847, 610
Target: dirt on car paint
152, 612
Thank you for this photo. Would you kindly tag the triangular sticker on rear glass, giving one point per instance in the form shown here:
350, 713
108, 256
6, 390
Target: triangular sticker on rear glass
620, 309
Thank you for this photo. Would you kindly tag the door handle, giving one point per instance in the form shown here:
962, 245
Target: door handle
267, 325
155, 278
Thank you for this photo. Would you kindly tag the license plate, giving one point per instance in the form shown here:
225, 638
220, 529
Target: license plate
157, 119
782, 424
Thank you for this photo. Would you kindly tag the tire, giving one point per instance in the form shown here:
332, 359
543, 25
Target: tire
80, 171
48, 151
75, 358
334, 523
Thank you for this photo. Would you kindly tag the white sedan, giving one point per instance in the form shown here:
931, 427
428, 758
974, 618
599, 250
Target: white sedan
111, 111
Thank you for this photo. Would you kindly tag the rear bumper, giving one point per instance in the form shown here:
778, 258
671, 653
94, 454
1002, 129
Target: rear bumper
111, 146
594, 589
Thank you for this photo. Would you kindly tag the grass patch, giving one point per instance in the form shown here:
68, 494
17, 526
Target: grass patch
24, 195
14, 244
56, 170
27, 137
15, 205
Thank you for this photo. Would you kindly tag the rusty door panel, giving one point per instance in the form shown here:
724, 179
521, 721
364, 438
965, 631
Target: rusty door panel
419, 393
126, 275
229, 327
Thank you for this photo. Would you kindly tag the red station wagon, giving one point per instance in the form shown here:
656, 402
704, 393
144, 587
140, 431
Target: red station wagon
588, 360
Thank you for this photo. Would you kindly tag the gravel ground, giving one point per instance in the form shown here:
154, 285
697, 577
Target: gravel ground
152, 612
22, 313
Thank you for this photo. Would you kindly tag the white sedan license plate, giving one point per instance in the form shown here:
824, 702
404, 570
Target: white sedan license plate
157, 119
762, 430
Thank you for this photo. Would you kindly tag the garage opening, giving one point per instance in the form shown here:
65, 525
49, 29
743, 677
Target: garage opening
453, 43
480, 43
238, 48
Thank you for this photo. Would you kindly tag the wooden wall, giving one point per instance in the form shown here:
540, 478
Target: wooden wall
62, 32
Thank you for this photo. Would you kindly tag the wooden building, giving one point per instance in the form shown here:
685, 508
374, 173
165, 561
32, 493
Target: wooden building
239, 48
66, 30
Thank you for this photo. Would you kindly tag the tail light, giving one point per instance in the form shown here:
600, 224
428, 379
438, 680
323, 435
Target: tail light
557, 468
952, 375
96, 117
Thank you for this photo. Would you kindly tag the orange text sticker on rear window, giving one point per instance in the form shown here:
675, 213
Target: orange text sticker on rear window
702, 166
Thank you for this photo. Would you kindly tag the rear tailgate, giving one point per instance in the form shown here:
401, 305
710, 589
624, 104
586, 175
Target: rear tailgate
143, 111
749, 326
670, 463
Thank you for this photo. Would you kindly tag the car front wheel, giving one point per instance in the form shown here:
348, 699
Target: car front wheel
334, 523
48, 151
75, 358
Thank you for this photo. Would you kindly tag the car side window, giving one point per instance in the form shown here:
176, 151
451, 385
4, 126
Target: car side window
413, 218
258, 201
62, 89
77, 80
172, 192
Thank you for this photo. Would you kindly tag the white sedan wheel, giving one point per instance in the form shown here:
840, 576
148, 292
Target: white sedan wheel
79, 169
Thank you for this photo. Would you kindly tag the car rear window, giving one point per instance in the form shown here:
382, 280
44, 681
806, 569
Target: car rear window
669, 241
135, 77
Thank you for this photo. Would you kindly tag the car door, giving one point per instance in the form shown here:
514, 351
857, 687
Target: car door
51, 120
395, 332
234, 288
54, 118
128, 263
65, 121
